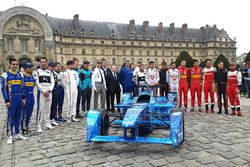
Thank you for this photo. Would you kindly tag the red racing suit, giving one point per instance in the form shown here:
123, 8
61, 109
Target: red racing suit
195, 86
183, 85
233, 83
208, 78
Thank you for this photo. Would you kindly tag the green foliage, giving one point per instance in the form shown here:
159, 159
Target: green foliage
247, 59
222, 58
184, 56
203, 64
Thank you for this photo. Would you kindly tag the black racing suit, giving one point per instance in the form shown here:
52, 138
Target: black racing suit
221, 81
163, 82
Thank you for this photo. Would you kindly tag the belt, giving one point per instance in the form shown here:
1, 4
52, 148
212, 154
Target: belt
99, 82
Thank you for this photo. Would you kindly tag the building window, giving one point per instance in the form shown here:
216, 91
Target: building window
148, 60
232, 59
194, 53
83, 51
155, 44
92, 34
131, 36
163, 53
102, 42
132, 60
24, 45
187, 45
73, 32
140, 53
82, 33
172, 53
92, 42
10, 45
113, 52
123, 43
103, 52
148, 53
180, 45
124, 52
156, 62
193, 45
62, 60
139, 43
113, 61
162, 44
73, 41
113, 42
140, 60
132, 43
61, 50
156, 53
172, 60
148, 44
93, 51
83, 41
132, 53
74, 51
171, 45
38, 45
61, 40
215, 53
123, 60
139, 36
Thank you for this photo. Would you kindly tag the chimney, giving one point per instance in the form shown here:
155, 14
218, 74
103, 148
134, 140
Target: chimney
214, 26
76, 22
207, 29
145, 25
171, 28
202, 29
184, 28
160, 27
131, 26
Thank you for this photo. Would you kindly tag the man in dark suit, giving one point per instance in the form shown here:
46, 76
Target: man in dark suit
113, 87
106, 72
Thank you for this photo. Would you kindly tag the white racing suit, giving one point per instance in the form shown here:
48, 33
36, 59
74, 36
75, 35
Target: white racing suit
70, 82
152, 76
173, 80
44, 82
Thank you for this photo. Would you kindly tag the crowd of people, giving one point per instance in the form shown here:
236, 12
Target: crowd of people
57, 85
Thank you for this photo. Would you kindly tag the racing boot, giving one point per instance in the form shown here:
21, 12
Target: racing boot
219, 111
226, 112
192, 109
212, 108
238, 112
207, 110
186, 108
233, 111
200, 109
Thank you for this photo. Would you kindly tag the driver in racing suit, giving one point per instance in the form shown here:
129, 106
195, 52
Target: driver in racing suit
183, 85
173, 77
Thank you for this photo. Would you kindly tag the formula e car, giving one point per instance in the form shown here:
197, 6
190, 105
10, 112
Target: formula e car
138, 117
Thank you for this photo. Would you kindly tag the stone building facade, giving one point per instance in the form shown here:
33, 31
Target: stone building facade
27, 34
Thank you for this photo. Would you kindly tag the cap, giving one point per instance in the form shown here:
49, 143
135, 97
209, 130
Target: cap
28, 65
51, 64
86, 62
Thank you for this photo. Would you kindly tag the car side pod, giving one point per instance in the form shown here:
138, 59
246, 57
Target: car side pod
177, 132
93, 124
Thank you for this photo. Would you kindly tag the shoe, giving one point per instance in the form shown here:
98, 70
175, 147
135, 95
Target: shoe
192, 109
233, 112
68, 121
187, 110
61, 119
226, 112
9, 140
199, 110
74, 119
212, 110
39, 129
239, 114
49, 126
220, 112
19, 136
207, 110
28, 133
24, 131
53, 122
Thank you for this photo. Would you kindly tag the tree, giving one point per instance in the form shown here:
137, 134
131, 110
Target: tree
222, 58
184, 56
247, 59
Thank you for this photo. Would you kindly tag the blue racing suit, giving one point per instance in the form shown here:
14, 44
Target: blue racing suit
11, 86
28, 91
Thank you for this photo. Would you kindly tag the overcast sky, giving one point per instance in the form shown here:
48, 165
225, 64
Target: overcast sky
231, 15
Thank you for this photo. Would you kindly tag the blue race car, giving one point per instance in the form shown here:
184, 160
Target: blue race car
138, 117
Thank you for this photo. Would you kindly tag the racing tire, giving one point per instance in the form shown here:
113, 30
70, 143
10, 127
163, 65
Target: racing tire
104, 122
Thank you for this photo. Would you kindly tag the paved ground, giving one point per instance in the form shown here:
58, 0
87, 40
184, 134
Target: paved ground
211, 140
